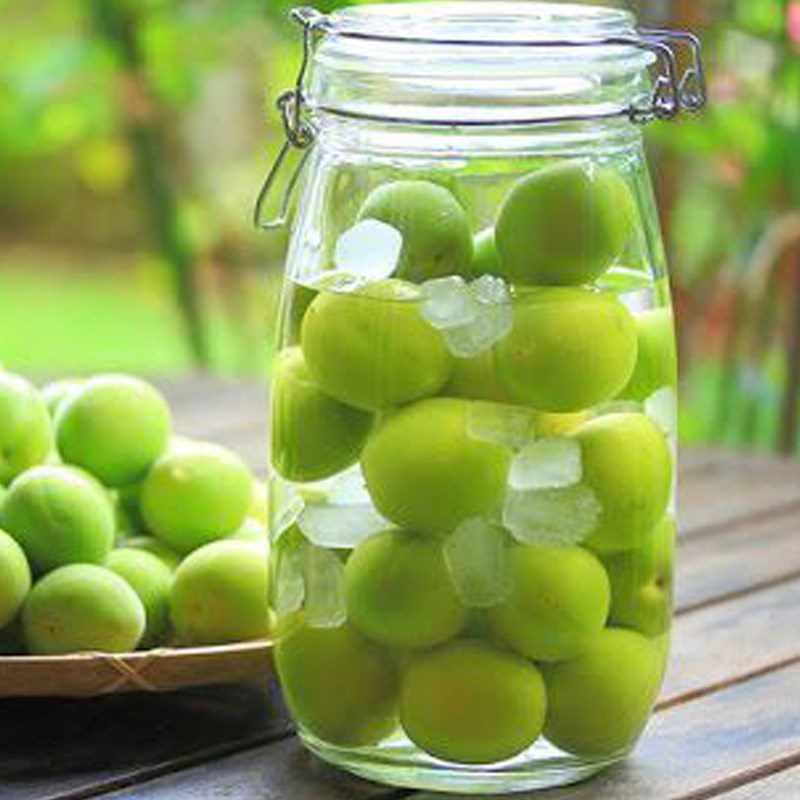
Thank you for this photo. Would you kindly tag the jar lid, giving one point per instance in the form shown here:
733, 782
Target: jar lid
482, 63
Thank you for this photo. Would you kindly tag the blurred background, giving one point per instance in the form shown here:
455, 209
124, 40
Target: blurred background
134, 135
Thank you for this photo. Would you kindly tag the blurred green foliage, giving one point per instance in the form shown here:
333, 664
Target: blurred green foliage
736, 175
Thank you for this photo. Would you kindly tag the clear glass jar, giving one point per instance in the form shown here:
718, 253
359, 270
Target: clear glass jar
473, 401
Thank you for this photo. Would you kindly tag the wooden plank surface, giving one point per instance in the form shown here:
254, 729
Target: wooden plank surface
783, 786
74, 748
727, 726
739, 560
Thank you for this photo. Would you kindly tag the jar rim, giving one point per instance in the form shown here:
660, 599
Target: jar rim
461, 23
466, 63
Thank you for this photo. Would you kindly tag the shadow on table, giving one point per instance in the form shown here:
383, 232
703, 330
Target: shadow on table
69, 741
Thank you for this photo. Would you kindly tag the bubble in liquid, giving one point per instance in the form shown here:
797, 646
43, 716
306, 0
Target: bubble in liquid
370, 249
478, 561
563, 516
551, 463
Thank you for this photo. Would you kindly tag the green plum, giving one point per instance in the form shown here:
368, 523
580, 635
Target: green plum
372, 349
149, 544
599, 702
195, 495
26, 437
55, 394
16, 578
126, 507
219, 594
151, 579
82, 607
437, 239
641, 582
59, 515
339, 686
399, 592
426, 473
656, 363
313, 435
627, 463
485, 258
569, 349
564, 224
469, 703
476, 378
559, 603
114, 426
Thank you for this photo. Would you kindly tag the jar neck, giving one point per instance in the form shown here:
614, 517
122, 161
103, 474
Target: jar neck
344, 135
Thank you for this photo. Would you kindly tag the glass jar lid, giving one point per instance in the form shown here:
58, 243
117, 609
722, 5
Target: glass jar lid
462, 63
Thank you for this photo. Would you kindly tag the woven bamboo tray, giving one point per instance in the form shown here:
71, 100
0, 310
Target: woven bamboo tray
163, 670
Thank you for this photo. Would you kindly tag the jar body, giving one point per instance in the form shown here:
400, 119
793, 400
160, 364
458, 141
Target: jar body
473, 451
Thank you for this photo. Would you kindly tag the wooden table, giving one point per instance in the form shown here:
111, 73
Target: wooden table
728, 724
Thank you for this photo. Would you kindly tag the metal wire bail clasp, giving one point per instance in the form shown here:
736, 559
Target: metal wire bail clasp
298, 131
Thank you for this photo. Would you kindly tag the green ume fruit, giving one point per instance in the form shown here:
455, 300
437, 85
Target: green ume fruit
220, 594
15, 578
599, 702
641, 582
656, 363
469, 703
149, 544
627, 463
425, 472
340, 687
196, 494
559, 603
437, 239
372, 349
399, 591
151, 579
485, 258
25, 435
114, 426
569, 349
59, 515
313, 435
82, 607
477, 379
564, 224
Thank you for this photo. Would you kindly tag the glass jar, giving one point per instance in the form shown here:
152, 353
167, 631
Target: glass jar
473, 399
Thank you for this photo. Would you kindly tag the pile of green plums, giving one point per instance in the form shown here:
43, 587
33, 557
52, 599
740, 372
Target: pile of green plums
114, 533
573, 648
